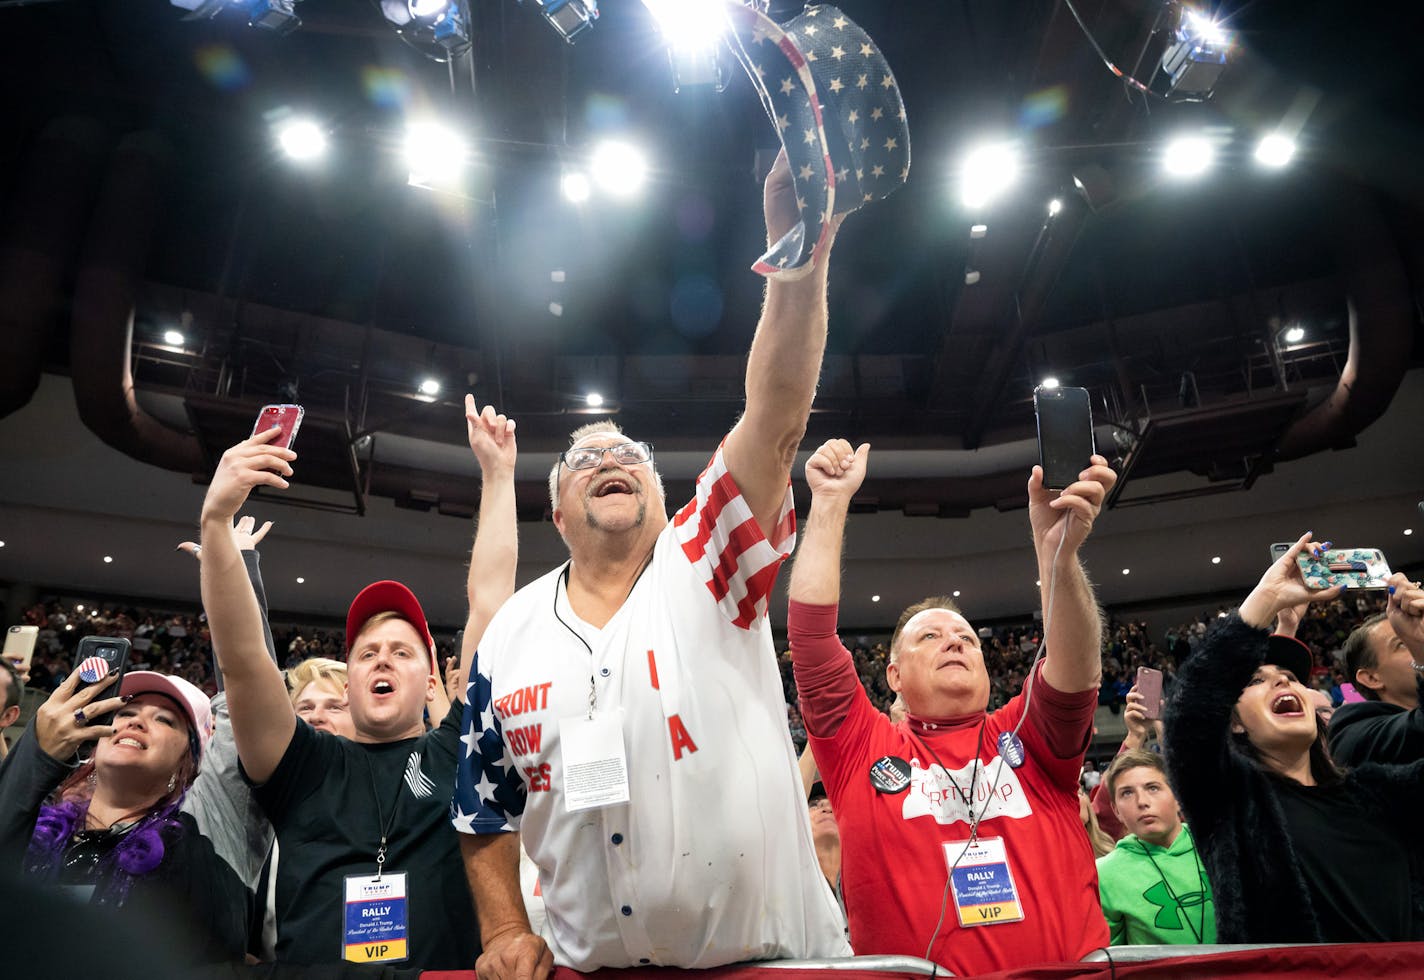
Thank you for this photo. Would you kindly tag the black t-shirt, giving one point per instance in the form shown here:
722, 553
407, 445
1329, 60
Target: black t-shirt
1355, 864
320, 800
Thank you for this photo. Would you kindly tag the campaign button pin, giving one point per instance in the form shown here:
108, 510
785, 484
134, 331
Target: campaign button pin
1011, 749
890, 774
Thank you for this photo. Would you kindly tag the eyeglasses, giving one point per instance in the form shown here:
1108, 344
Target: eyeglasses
587, 457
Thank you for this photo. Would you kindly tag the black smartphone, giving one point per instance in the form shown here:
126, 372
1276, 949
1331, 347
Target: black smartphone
1065, 434
102, 660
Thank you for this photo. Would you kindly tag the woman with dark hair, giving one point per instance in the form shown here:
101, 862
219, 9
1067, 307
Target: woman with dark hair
108, 828
1297, 850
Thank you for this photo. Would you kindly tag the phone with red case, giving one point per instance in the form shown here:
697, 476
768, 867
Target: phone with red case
1354, 568
1149, 685
288, 418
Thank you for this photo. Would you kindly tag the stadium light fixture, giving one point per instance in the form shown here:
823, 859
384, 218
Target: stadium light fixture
619, 168
987, 172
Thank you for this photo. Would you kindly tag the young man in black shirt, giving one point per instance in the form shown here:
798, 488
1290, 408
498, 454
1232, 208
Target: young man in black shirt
370, 869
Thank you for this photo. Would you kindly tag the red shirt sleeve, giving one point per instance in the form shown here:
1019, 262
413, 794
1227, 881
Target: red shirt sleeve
826, 681
1061, 724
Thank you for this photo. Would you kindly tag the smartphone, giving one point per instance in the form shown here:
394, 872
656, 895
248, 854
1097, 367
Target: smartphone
1149, 685
288, 418
1279, 549
102, 660
1065, 434
1354, 568
20, 646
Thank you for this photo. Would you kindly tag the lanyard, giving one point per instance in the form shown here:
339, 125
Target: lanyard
563, 581
386, 822
973, 777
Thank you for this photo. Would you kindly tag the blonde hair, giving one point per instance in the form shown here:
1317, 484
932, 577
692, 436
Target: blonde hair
315, 670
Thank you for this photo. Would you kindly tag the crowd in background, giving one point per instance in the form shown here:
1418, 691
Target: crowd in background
177, 643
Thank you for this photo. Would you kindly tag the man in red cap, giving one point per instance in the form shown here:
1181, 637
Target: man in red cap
370, 869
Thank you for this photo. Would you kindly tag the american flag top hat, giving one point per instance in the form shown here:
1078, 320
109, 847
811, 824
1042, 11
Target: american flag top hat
838, 112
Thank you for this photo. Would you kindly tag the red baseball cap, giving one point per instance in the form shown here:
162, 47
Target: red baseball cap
387, 596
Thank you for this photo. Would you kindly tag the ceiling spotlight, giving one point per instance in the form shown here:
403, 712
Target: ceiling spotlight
1407, 532
593, 399
1196, 57
956, 593
1293, 335
1050, 383
1054, 206
434, 153
556, 308
108, 559
1188, 156
575, 187
68, 626
173, 338
79, 608
430, 386
1216, 559
987, 172
300, 580
619, 168
693, 30
438, 29
2, 544
302, 139
875, 598
1125, 571
569, 17
1275, 150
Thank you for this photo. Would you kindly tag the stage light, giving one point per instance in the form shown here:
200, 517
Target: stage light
593, 399
575, 187
1188, 156
569, 17
618, 168
1275, 150
1293, 335
693, 30
279, 16
987, 172
434, 153
1195, 60
971, 276
173, 338
978, 231
438, 29
430, 386
301, 139
1054, 206
1050, 383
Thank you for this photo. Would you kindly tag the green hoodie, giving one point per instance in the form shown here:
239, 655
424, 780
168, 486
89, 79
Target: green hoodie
1141, 908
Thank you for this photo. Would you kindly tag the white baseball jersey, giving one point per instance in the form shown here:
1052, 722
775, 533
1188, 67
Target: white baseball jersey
711, 862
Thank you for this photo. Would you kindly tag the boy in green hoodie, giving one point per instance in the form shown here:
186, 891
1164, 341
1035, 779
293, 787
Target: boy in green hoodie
1152, 886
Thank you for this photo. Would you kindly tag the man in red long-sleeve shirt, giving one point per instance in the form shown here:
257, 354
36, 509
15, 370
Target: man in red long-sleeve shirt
954, 848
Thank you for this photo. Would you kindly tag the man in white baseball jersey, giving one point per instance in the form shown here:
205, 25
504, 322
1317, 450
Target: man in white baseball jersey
626, 719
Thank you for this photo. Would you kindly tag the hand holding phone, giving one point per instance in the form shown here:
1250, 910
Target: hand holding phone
20, 647
1065, 434
1352, 568
1149, 685
288, 418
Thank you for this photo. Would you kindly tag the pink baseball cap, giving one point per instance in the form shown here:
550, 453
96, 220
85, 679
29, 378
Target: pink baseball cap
194, 703
387, 596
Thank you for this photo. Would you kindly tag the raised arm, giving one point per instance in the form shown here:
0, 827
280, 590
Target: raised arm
1198, 718
782, 368
1061, 523
247, 541
495, 553
834, 473
261, 712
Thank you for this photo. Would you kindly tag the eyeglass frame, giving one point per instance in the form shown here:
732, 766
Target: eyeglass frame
603, 451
